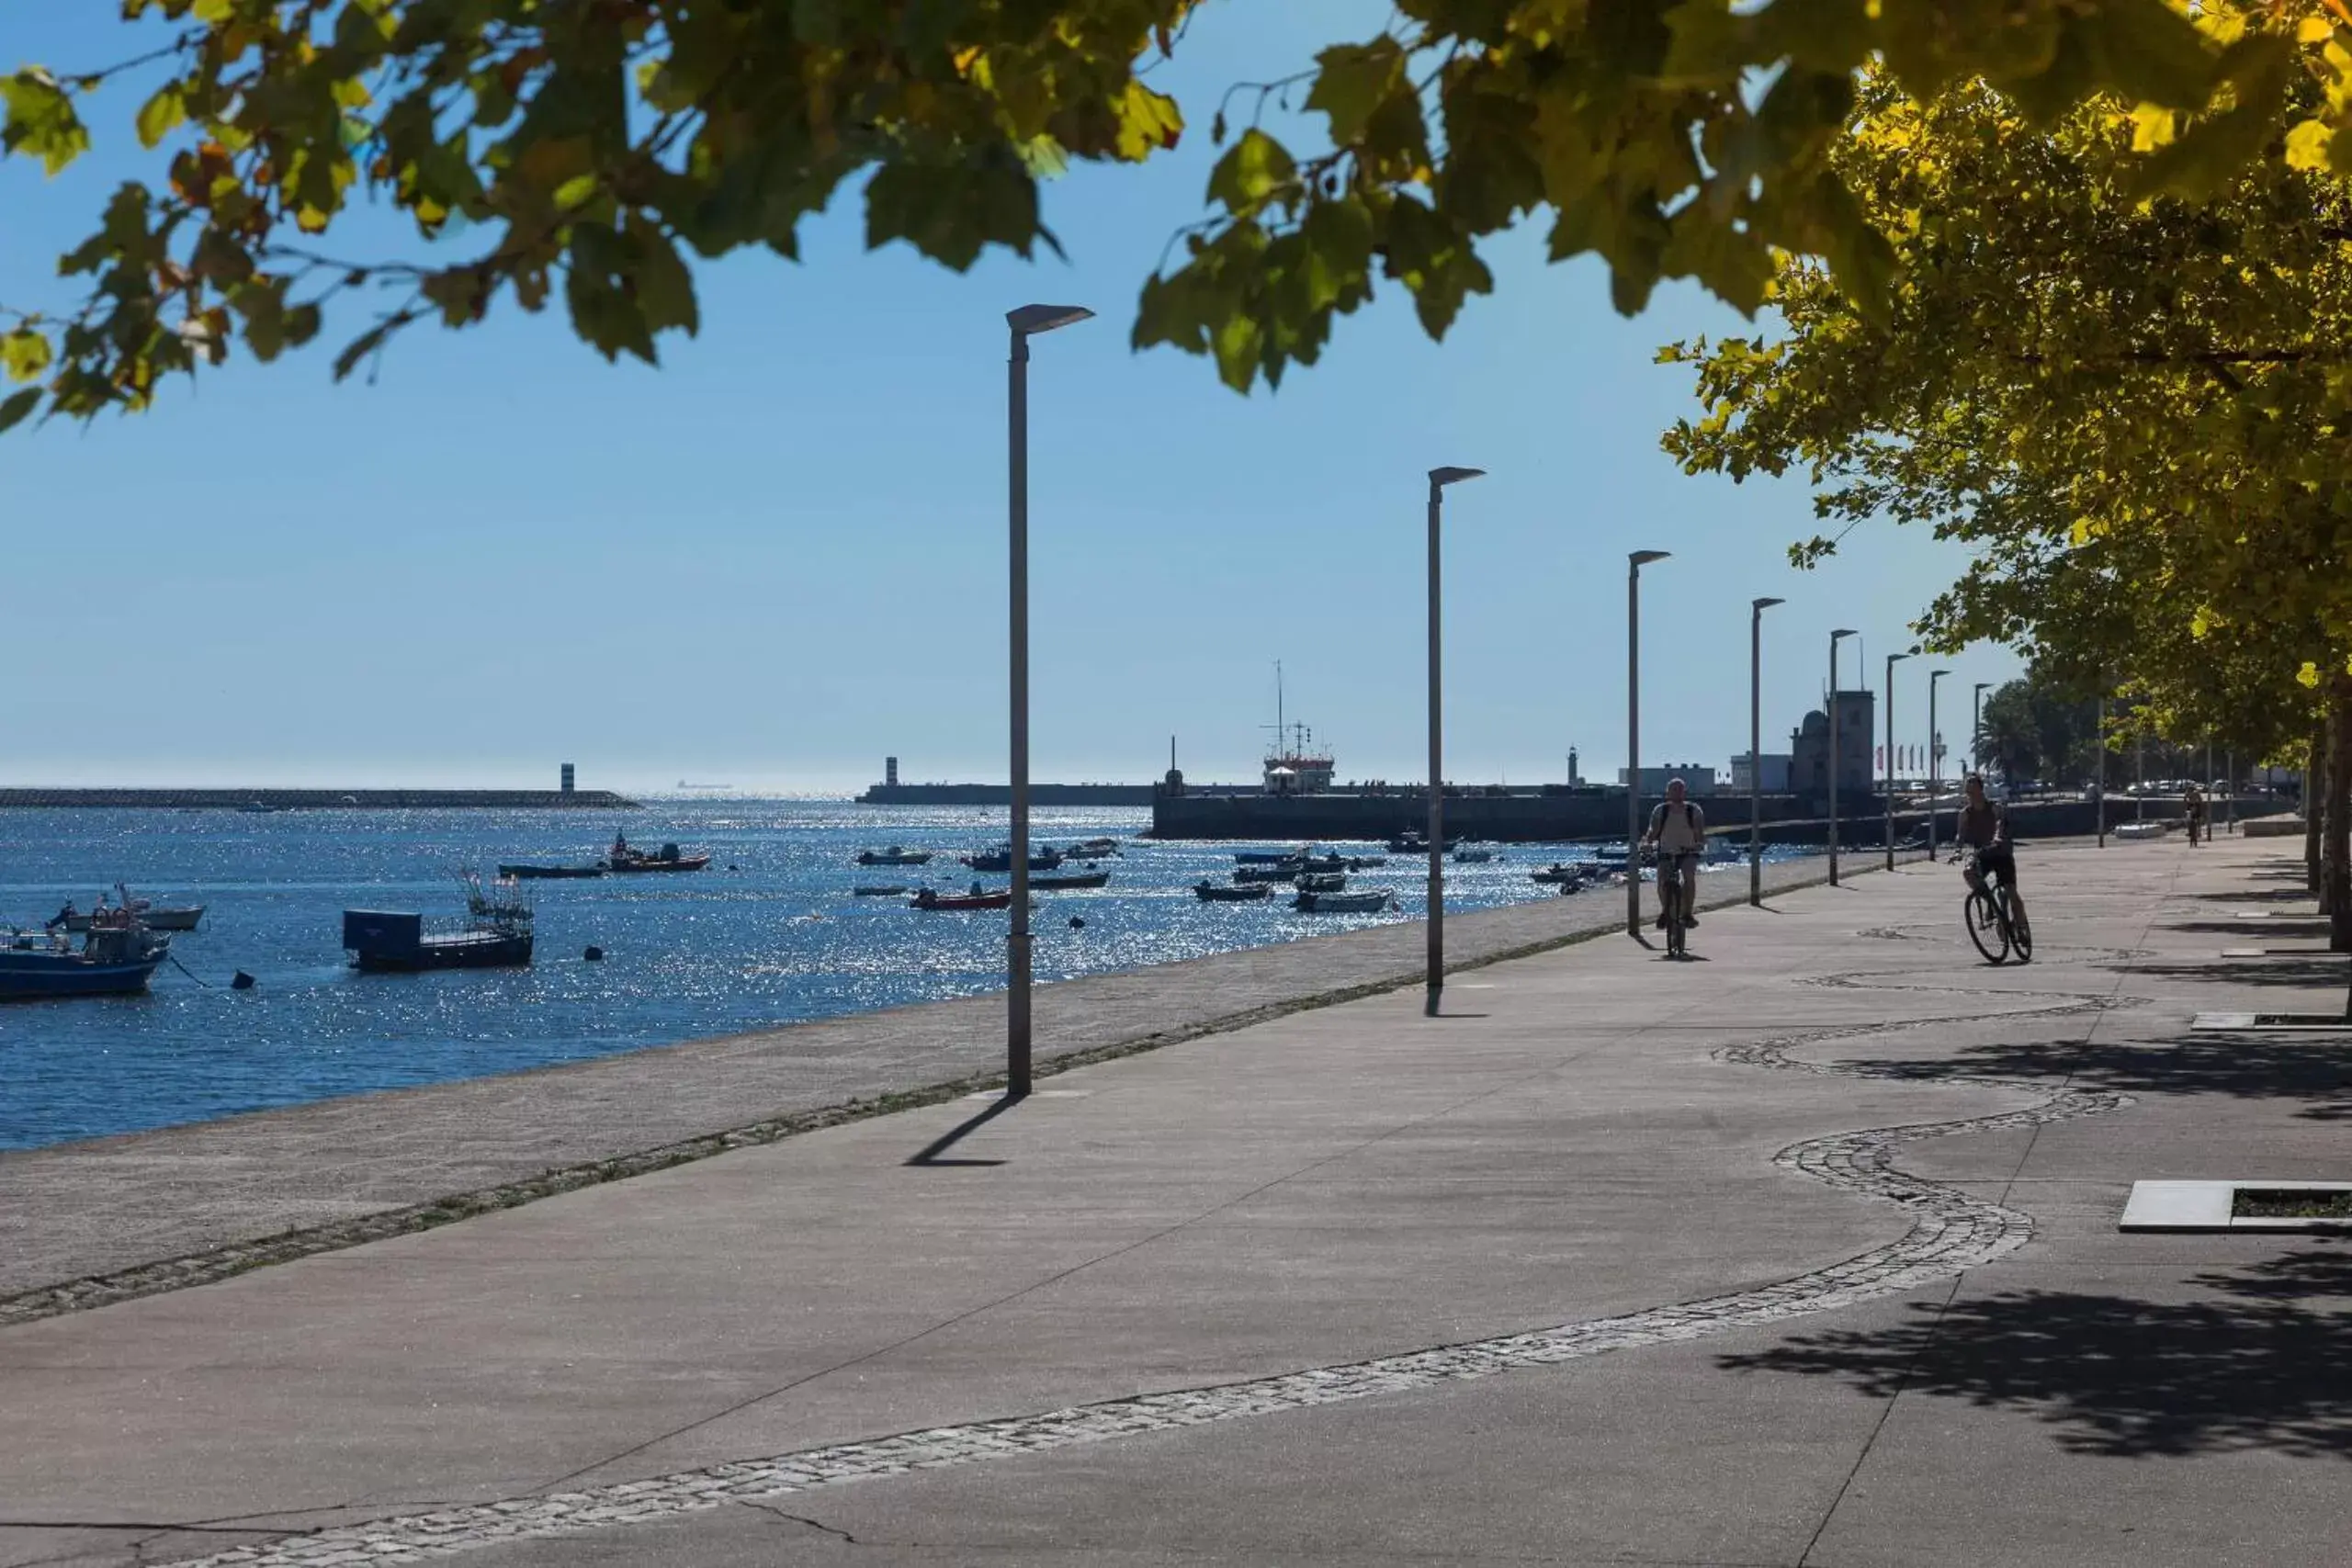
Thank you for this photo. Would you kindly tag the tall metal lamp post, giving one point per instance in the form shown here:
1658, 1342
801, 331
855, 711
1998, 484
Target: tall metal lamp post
1892, 660
1026, 323
1755, 608
1438, 480
1934, 744
2099, 789
1835, 638
1634, 560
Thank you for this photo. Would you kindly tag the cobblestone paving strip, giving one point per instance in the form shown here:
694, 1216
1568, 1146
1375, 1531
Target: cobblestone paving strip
1952, 1230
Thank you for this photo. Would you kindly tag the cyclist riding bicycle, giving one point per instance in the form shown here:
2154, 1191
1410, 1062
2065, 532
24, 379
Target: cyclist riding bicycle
1984, 829
1679, 828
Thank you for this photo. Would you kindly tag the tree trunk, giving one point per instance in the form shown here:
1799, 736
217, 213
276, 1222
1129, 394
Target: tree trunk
2314, 756
2336, 852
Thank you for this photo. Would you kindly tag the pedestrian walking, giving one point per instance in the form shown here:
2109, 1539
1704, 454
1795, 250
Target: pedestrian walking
2192, 806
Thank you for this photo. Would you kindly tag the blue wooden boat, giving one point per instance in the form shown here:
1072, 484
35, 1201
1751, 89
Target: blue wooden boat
117, 956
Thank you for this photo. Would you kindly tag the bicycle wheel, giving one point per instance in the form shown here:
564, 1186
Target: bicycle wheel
1978, 913
2021, 932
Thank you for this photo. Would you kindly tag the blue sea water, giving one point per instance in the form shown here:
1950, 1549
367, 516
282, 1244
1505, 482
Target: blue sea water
770, 934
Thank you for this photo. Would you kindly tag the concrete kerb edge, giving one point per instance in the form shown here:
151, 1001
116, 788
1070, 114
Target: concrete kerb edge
210, 1266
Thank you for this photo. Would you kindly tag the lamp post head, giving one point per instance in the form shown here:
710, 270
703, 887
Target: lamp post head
1440, 478
1031, 320
1936, 675
1893, 657
1760, 605
1843, 632
1982, 685
1640, 559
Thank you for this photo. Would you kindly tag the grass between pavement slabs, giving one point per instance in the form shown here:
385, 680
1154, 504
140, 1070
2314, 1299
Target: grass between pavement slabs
230, 1258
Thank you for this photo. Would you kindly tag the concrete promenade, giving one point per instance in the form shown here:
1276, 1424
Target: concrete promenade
1805, 1255
108, 1218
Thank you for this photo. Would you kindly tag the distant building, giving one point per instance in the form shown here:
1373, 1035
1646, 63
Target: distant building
1773, 771
1698, 776
1809, 748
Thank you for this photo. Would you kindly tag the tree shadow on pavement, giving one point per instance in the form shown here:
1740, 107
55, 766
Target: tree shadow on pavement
2318, 971
2263, 1363
2237, 1063
2254, 895
2274, 925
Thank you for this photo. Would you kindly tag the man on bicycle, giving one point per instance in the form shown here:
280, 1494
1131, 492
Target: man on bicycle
1677, 825
1984, 829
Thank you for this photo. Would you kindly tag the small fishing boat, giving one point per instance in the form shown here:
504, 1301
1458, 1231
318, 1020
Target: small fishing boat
1363, 862
1094, 849
976, 899
1075, 880
898, 891
1248, 893
1045, 857
1560, 871
1271, 857
669, 857
1362, 902
1318, 863
529, 872
1473, 857
117, 955
183, 918
1264, 872
1321, 881
1415, 844
495, 933
894, 855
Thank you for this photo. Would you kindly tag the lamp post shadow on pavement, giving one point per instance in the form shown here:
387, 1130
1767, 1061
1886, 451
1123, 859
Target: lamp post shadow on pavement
1435, 981
1024, 323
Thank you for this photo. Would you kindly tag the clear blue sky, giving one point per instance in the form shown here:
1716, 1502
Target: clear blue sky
781, 556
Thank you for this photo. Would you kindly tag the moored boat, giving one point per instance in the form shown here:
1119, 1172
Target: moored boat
117, 955
976, 899
1362, 902
1073, 881
1246, 893
1045, 857
1264, 872
1322, 881
669, 857
1415, 844
496, 933
182, 918
1094, 849
1271, 857
894, 855
1560, 871
1473, 857
529, 872
878, 892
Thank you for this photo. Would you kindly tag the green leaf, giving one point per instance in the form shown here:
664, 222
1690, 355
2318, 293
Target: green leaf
1251, 171
2151, 52
1149, 122
41, 120
1350, 80
25, 354
14, 408
161, 113
665, 290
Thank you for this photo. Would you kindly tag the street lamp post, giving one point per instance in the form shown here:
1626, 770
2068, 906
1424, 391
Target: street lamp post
1025, 323
1934, 744
1635, 561
1892, 660
1977, 728
2099, 789
1755, 608
1835, 638
1438, 480
2230, 799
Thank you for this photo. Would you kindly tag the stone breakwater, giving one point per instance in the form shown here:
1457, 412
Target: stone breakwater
320, 799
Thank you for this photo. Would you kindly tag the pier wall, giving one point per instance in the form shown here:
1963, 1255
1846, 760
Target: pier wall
1601, 814
322, 799
1001, 795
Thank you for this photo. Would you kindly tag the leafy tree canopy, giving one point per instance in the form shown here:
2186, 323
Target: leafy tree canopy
2134, 409
592, 146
